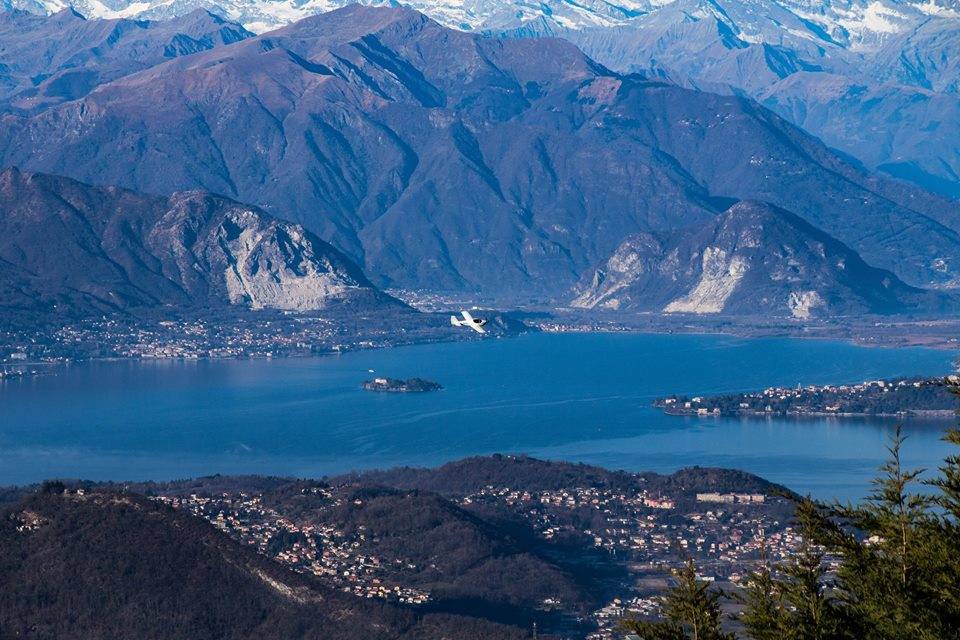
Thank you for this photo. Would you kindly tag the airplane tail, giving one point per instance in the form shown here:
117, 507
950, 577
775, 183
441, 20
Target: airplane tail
455, 322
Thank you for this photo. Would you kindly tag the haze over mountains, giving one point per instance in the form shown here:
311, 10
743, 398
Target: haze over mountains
452, 162
44, 61
874, 78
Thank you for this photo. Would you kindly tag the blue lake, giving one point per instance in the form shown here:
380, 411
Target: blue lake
580, 397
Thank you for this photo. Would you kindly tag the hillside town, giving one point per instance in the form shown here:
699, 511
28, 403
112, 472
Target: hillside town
647, 533
321, 550
727, 534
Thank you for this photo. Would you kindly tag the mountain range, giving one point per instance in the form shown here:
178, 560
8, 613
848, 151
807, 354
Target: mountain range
875, 79
441, 160
76, 250
855, 24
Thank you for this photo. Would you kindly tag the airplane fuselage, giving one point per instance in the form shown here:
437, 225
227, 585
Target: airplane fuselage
469, 321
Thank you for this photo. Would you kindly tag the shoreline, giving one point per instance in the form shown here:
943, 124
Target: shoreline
655, 324
855, 335
905, 398
927, 414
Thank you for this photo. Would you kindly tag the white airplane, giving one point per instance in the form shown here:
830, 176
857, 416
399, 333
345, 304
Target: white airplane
469, 321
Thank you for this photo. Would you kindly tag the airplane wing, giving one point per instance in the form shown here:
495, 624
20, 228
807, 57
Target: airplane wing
477, 327
467, 316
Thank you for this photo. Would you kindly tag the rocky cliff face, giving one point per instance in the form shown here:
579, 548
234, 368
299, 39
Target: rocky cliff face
755, 259
75, 249
445, 161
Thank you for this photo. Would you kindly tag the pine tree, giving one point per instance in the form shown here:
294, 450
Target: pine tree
691, 611
812, 612
793, 605
763, 607
899, 574
944, 547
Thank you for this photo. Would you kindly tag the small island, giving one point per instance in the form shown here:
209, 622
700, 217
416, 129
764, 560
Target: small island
916, 397
394, 385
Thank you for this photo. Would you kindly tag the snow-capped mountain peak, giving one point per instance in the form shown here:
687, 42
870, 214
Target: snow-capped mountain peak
858, 24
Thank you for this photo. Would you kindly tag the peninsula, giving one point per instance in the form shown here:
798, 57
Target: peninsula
916, 397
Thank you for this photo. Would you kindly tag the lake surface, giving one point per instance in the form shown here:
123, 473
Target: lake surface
580, 397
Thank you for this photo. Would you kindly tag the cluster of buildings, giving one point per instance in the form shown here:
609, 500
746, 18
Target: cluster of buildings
580, 326
16, 373
926, 396
730, 498
609, 616
263, 335
881, 386
646, 528
168, 339
432, 302
728, 535
333, 556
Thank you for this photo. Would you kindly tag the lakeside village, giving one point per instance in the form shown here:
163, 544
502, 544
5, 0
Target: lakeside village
726, 533
918, 397
272, 333
265, 334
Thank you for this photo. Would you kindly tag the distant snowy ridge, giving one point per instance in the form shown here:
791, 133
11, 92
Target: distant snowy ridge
859, 24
